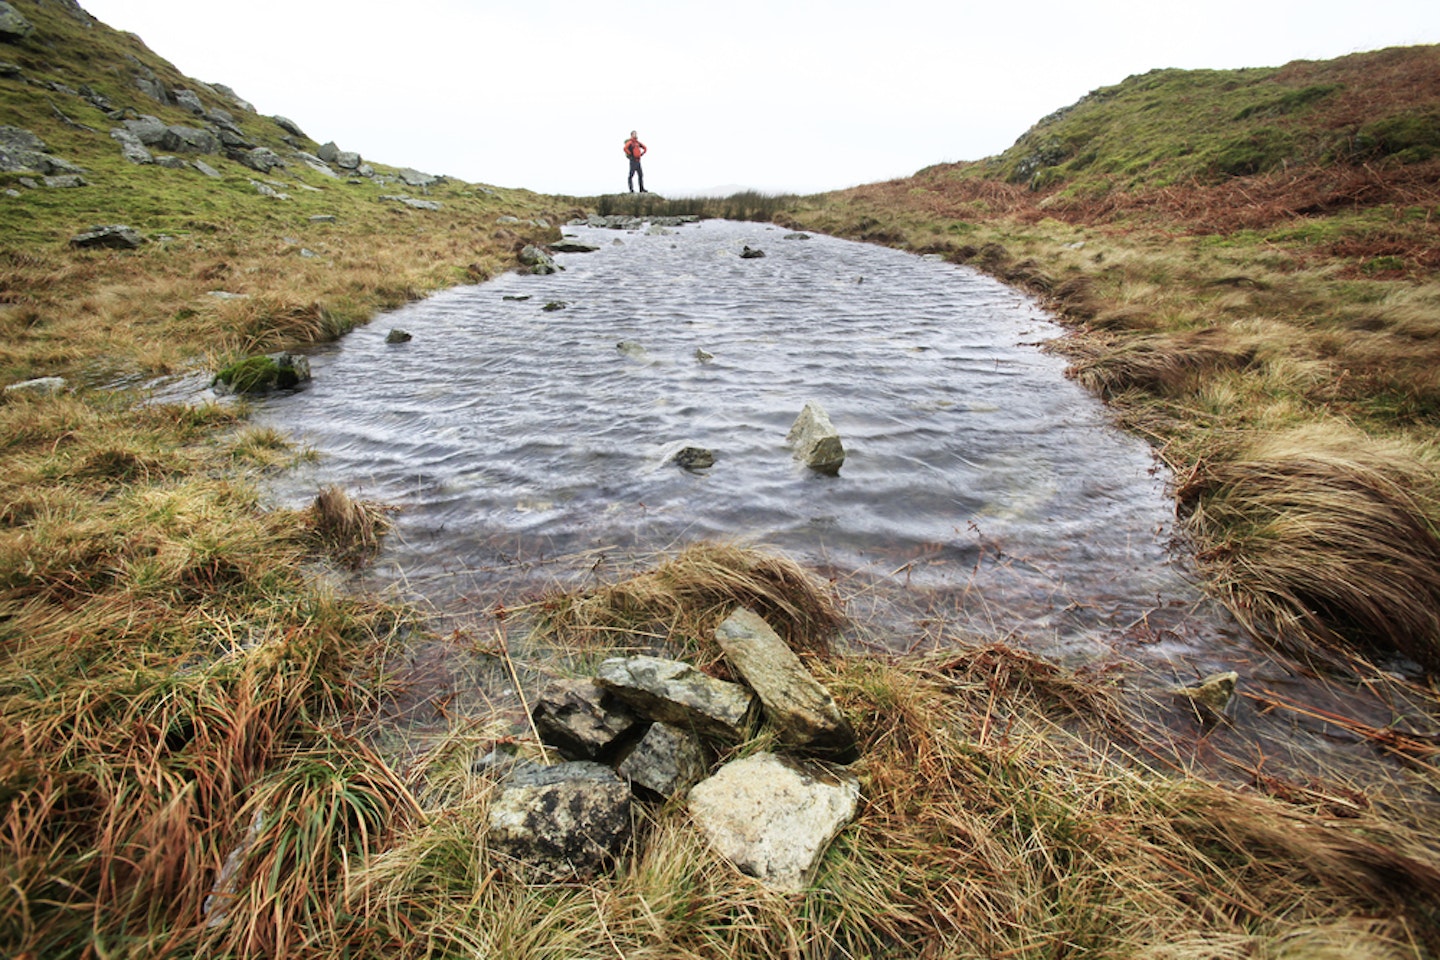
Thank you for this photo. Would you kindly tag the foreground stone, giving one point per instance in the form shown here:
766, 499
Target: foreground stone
677, 693
667, 760
815, 441
802, 711
694, 458
564, 821
114, 236
12, 25
581, 720
539, 262
773, 818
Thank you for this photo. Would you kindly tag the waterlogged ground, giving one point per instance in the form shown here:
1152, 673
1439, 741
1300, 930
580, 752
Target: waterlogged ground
981, 490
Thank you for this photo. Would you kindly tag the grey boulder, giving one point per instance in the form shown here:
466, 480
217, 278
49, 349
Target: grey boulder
189, 100
563, 821
573, 245
677, 693
814, 440
289, 126
582, 720
773, 817
667, 761
261, 159
12, 25
130, 146
113, 236
801, 710
180, 139
149, 130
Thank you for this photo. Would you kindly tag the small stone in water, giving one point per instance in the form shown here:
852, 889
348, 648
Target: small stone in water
694, 458
398, 336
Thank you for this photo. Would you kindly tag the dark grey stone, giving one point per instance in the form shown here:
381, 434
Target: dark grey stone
189, 100
667, 761
573, 245
67, 181
289, 126
395, 336
171, 163
114, 236
262, 159
563, 821
582, 721
328, 152
748, 254
147, 129
180, 139
694, 458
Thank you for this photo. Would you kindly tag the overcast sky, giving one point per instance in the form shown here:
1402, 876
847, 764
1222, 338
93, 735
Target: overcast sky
775, 95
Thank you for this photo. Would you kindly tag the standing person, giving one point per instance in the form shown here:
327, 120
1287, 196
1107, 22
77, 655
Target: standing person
634, 149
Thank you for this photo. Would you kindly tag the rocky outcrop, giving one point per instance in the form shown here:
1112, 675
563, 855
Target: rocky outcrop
178, 139
563, 821
149, 130
677, 693
414, 178
112, 236
539, 262
131, 146
801, 710
22, 150
189, 100
773, 817
289, 126
261, 159
814, 440
417, 204
13, 26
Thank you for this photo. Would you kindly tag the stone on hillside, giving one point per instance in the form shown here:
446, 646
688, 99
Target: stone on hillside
265, 190
348, 160
414, 178
364, 170
564, 821
206, 169
234, 141
22, 150
39, 387
149, 130
66, 182
261, 159
289, 126
189, 100
130, 146
234, 97
328, 151
773, 817
12, 25
113, 236
667, 760
153, 89
171, 163
802, 711
8, 70
179, 139
324, 218
315, 163
814, 440
220, 116
573, 245
677, 693
582, 720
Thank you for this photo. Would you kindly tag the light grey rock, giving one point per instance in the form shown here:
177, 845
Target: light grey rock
189, 100
152, 88
180, 139
364, 170
12, 25
113, 236
317, 164
130, 146
667, 761
149, 130
227, 295
563, 821
67, 181
221, 116
815, 441
206, 169
348, 160
289, 126
582, 720
573, 245
414, 178
703, 356
804, 714
11, 192
171, 163
261, 159
324, 218
507, 219
414, 203
265, 190
774, 818
677, 693
328, 151
234, 97
39, 387
22, 150
537, 260
633, 350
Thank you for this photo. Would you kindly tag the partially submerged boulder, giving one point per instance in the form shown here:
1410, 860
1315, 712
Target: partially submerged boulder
276, 371
774, 817
537, 260
815, 441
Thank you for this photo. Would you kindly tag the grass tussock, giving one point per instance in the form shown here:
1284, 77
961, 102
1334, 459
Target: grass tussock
348, 530
1158, 366
1326, 537
681, 601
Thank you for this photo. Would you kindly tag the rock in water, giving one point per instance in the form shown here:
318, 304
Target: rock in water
802, 711
564, 821
772, 817
815, 441
694, 458
749, 254
1214, 694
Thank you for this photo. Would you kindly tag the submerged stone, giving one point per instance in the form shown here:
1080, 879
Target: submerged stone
815, 441
1213, 694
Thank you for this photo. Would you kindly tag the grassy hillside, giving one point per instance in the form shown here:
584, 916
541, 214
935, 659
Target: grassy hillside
184, 765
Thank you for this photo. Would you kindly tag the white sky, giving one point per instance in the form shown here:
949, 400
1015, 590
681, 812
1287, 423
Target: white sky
775, 95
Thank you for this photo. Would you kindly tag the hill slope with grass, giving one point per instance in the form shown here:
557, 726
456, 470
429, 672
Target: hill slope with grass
1247, 263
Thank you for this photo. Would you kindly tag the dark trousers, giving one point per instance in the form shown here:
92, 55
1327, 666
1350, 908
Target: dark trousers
635, 169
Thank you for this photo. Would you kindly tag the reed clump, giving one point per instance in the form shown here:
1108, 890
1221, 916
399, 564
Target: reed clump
348, 530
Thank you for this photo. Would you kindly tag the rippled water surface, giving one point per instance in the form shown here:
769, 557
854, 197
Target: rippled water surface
976, 474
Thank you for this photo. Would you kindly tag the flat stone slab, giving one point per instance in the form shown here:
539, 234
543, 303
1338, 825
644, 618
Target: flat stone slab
802, 711
679, 694
774, 818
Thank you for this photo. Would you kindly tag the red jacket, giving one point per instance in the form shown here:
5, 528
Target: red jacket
634, 148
